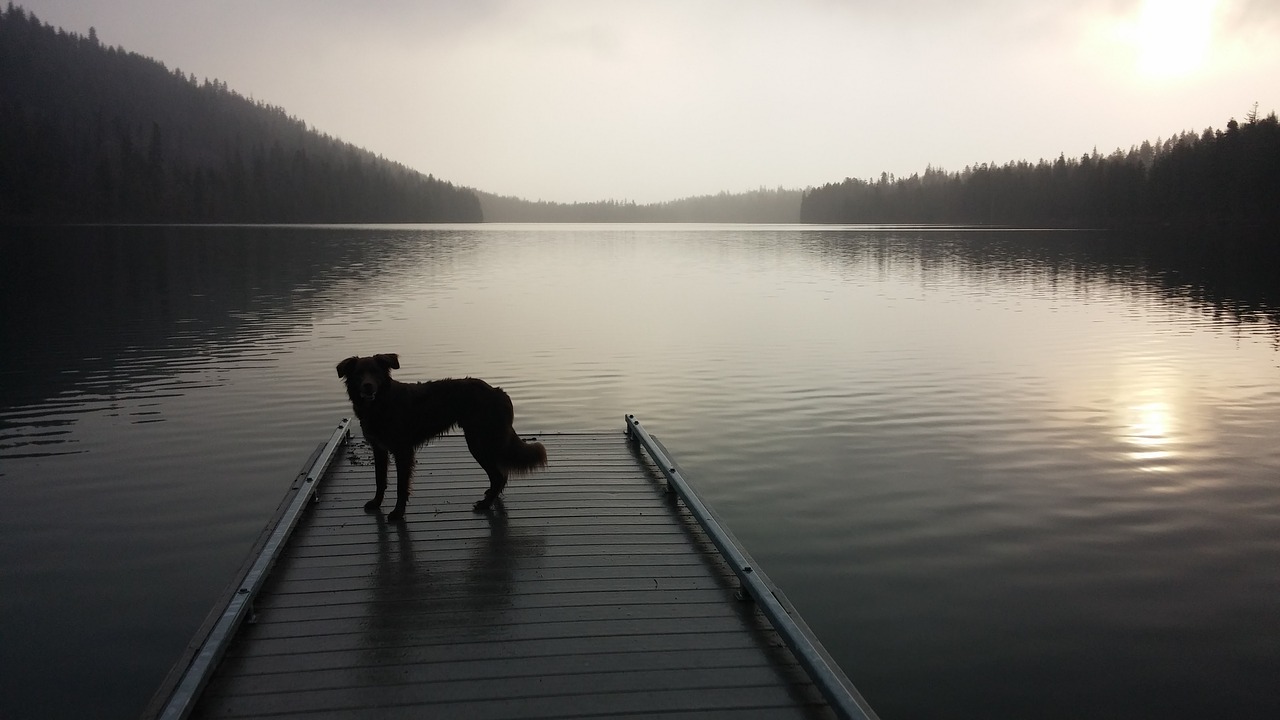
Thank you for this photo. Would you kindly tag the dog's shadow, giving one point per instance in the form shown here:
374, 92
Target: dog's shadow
425, 593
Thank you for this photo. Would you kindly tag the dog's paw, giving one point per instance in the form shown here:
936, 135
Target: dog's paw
372, 506
483, 505
396, 515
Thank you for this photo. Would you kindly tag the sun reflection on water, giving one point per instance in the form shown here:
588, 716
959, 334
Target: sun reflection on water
1150, 433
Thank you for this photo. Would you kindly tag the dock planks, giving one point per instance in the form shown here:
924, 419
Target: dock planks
590, 592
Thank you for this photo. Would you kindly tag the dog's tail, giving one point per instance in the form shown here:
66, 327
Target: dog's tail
520, 456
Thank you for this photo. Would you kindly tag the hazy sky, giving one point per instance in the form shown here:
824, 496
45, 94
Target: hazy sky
650, 100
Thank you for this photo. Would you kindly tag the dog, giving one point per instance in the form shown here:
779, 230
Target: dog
398, 417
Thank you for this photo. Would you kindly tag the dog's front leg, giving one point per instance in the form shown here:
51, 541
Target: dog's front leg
381, 459
404, 472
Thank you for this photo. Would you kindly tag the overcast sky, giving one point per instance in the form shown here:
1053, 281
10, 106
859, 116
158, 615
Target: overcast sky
649, 100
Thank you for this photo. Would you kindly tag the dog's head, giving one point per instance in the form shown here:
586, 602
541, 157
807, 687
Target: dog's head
365, 376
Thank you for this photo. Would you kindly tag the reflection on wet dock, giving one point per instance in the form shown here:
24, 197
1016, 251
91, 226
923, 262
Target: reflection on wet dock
592, 590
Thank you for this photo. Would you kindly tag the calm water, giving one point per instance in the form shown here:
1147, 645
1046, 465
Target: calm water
1001, 474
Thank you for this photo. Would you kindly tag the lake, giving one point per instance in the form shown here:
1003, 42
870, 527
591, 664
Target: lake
1003, 473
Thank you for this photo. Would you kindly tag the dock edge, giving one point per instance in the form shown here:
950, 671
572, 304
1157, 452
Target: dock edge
186, 690
836, 687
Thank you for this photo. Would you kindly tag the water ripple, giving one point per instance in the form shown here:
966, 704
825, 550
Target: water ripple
964, 455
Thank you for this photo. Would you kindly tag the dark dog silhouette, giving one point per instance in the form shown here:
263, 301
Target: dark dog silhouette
397, 417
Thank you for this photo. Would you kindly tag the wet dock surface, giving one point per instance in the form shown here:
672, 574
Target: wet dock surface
589, 592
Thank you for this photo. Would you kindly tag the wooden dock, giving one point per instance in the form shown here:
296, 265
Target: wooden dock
592, 591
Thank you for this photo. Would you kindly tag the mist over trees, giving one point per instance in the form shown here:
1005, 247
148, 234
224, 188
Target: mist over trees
90, 133
1217, 176
755, 206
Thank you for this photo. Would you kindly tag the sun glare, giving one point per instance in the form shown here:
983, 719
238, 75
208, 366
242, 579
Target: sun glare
1172, 37
1149, 435
1150, 426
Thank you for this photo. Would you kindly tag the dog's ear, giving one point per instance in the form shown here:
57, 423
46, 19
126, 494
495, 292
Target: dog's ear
388, 360
344, 367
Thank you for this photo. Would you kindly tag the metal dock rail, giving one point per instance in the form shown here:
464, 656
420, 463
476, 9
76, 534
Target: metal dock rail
592, 591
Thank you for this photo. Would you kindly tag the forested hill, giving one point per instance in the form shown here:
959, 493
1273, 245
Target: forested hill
1227, 176
91, 133
755, 206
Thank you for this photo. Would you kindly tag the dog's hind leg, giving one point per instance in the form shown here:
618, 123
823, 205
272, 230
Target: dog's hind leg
380, 461
497, 481
404, 474
485, 451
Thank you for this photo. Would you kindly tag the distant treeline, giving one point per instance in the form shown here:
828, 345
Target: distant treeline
1230, 176
92, 133
755, 206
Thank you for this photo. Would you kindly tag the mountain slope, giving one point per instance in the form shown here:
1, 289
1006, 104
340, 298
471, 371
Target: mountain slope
90, 133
